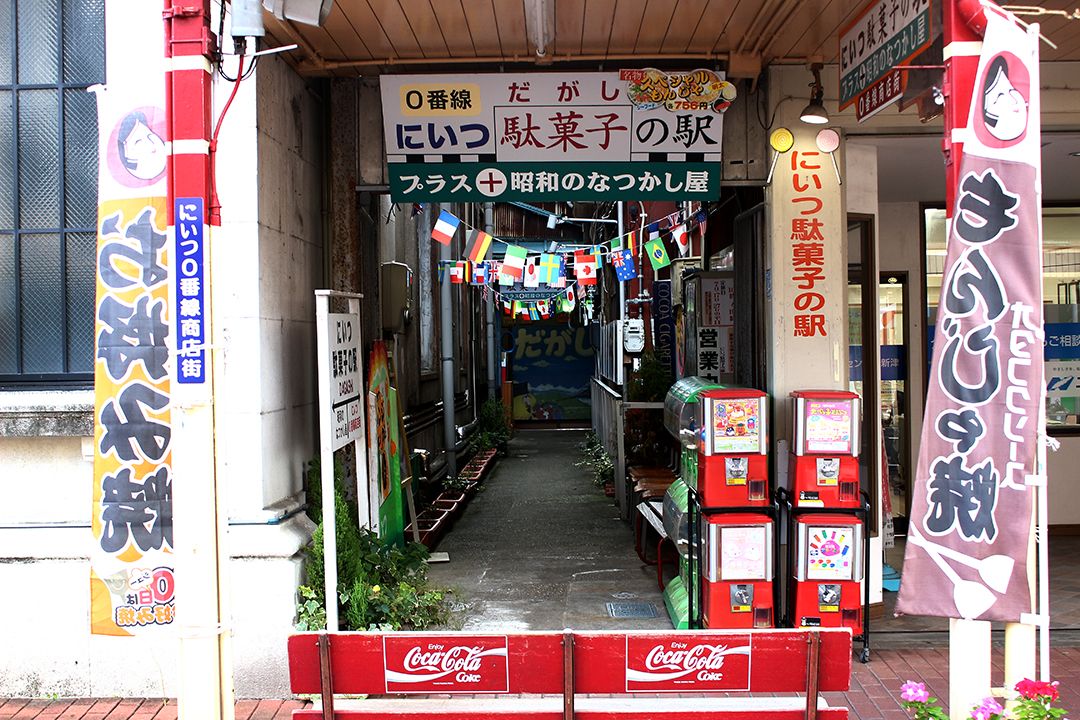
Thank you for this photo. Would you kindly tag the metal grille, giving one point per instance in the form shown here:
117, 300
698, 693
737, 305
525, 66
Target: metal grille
631, 610
50, 52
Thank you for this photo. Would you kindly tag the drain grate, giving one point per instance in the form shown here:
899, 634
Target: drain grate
631, 610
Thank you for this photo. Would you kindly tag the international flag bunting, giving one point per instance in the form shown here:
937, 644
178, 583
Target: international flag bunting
508, 308
445, 227
479, 242
514, 261
523, 310
585, 267
568, 300
682, 239
459, 272
534, 314
616, 244
631, 241
653, 229
657, 254
550, 268
531, 277
480, 274
560, 280
543, 308
624, 265
598, 252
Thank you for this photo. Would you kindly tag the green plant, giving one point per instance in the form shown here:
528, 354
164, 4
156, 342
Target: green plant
311, 610
455, 484
652, 380
596, 460
492, 429
380, 585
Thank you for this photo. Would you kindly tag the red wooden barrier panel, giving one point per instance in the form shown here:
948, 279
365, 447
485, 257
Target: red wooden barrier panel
598, 663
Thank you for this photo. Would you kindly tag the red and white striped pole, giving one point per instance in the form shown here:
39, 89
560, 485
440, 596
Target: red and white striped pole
205, 665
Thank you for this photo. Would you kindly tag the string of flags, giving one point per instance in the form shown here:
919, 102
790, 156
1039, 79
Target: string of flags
519, 268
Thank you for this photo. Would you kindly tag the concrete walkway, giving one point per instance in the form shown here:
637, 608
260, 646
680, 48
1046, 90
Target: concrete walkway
542, 548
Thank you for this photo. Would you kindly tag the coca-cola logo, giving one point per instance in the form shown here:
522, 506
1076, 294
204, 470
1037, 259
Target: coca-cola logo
446, 664
708, 663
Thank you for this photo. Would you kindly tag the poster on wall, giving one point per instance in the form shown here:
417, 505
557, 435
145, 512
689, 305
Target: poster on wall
132, 583
551, 367
384, 455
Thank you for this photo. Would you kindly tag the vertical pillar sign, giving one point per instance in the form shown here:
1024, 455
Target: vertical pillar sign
131, 562
346, 410
190, 299
341, 421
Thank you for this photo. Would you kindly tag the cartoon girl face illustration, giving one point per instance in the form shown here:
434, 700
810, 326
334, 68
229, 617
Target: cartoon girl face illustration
142, 151
1004, 107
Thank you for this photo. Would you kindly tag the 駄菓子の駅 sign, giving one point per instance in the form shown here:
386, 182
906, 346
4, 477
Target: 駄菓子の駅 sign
635, 134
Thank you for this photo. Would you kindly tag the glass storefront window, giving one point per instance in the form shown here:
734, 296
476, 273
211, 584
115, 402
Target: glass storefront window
1061, 304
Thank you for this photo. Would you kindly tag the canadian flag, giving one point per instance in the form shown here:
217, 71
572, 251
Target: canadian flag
585, 267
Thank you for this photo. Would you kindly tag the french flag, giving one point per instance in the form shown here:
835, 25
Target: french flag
445, 227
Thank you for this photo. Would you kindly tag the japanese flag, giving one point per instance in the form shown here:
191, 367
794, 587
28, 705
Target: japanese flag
682, 239
585, 267
569, 301
531, 278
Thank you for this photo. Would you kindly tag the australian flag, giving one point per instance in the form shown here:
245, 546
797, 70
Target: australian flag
623, 260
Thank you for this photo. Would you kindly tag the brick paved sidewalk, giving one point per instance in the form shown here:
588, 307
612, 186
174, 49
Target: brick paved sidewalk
873, 694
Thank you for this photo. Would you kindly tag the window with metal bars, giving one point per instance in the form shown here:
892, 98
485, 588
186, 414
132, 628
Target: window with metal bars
51, 51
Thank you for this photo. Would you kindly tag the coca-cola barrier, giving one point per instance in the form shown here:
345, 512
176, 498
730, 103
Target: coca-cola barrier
601, 662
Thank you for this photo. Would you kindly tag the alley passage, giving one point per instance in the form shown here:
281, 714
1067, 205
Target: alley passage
542, 548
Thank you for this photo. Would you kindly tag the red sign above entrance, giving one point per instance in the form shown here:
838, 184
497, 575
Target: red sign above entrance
689, 663
446, 664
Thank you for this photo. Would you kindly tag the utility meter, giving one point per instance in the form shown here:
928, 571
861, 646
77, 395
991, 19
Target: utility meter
633, 335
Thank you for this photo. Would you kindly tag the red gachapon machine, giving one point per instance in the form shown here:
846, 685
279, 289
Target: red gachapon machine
824, 467
733, 469
737, 587
829, 569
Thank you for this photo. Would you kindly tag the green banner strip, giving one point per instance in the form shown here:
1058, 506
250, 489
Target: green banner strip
538, 182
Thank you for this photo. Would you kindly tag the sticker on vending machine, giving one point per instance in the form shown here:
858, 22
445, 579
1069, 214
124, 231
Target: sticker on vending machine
736, 470
742, 598
810, 498
810, 622
828, 472
828, 598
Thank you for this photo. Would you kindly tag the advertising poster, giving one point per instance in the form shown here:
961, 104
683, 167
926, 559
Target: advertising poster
132, 583
736, 426
971, 497
743, 553
830, 552
384, 461
827, 426
551, 368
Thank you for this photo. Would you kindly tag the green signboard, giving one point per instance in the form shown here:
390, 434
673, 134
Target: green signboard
539, 182
886, 34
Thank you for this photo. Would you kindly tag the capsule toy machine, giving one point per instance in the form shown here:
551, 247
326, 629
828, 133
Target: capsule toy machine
733, 469
737, 591
824, 462
829, 567
682, 418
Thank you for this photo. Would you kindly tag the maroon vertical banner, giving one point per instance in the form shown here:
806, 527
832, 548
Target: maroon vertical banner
971, 515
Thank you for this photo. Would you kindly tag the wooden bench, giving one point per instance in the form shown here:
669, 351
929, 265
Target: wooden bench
590, 675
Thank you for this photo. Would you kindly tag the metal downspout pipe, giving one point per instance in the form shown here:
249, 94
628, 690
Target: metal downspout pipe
492, 355
446, 352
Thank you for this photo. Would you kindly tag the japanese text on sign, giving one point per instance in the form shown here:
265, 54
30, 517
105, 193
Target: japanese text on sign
887, 33
132, 463
807, 244
343, 334
190, 295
